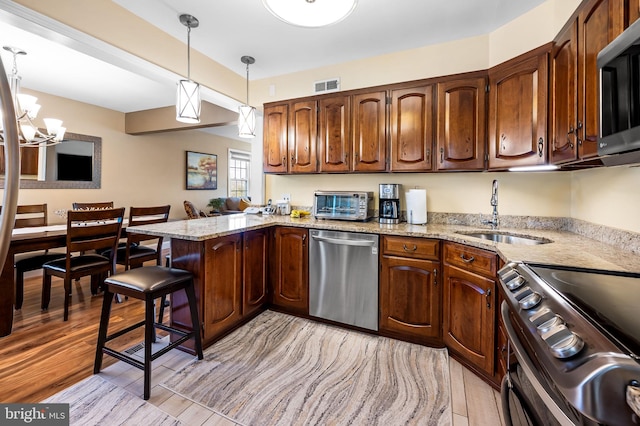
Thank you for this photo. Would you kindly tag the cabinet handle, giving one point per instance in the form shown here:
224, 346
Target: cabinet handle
435, 277
487, 296
284, 159
428, 153
467, 259
540, 147
405, 248
293, 159
577, 134
441, 155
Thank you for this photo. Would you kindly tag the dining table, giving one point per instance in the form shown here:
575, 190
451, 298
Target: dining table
24, 240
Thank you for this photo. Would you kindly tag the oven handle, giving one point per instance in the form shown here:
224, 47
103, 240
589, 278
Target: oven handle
529, 369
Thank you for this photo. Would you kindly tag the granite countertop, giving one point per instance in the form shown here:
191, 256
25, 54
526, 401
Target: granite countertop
565, 248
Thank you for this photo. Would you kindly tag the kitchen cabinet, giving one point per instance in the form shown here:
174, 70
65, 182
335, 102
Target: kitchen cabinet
461, 130
574, 79
412, 128
369, 124
335, 137
290, 269
469, 305
290, 138
410, 289
217, 268
275, 139
518, 111
254, 271
634, 11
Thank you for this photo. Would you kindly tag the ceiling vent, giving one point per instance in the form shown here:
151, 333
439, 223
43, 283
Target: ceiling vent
326, 86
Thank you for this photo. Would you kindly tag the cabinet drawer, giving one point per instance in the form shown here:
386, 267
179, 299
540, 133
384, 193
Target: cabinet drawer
471, 259
419, 248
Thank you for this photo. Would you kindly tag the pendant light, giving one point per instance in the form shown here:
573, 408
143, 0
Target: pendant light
247, 113
188, 97
310, 13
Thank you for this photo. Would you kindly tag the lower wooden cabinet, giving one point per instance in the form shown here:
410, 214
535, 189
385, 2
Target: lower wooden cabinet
410, 298
254, 270
469, 305
289, 272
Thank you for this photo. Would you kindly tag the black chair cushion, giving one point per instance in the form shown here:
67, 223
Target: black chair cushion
78, 263
35, 262
135, 251
149, 279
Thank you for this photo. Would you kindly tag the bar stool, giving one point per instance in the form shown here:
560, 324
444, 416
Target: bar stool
147, 283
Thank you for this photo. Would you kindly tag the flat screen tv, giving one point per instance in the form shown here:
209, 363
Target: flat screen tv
75, 167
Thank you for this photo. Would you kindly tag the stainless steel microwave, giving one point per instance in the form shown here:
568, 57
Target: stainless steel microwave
343, 205
619, 106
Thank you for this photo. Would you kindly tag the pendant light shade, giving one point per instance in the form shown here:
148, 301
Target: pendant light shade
247, 113
188, 95
188, 102
311, 13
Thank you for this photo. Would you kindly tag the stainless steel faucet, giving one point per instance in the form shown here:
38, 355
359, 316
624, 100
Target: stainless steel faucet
495, 221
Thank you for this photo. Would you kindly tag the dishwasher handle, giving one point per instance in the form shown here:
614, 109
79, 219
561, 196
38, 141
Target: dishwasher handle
341, 242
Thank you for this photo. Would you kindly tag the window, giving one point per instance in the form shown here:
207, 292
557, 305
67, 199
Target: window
239, 173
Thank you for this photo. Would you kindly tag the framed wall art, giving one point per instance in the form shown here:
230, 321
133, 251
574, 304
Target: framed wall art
202, 170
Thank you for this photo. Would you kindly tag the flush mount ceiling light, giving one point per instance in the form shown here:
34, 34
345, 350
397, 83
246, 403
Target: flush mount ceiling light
26, 110
188, 97
247, 113
311, 13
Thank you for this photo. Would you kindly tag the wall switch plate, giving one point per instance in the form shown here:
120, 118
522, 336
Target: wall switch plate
286, 197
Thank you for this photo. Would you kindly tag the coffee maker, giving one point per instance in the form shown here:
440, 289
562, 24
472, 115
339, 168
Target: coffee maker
389, 208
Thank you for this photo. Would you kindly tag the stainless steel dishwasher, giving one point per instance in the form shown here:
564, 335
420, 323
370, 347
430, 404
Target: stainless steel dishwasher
343, 277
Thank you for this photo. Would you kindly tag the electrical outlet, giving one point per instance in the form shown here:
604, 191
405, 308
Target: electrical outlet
286, 197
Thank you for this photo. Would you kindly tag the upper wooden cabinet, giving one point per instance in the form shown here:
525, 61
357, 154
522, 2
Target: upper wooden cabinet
369, 126
411, 128
518, 111
574, 79
461, 137
303, 135
634, 11
335, 135
275, 137
290, 135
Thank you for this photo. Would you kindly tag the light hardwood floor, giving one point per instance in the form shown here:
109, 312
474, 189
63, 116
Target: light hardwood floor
44, 355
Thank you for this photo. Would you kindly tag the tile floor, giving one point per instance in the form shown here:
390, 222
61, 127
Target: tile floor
474, 402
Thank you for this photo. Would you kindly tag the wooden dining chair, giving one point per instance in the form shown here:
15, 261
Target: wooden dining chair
88, 232
30, 215
137, 250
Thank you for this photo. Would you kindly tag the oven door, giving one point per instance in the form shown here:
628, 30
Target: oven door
527, 398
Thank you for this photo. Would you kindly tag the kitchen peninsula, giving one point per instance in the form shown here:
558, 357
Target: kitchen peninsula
447, 297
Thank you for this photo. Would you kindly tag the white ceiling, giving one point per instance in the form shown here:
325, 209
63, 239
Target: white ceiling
228, 30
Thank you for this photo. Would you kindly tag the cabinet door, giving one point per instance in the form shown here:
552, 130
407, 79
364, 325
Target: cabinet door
275, 139
411, 127
410, 297
303, 137
462, 132
254, 271
599, 22
469, 316
369, 132
634, 11
518, 113
291, 263
223, 284
335, 140
564, 100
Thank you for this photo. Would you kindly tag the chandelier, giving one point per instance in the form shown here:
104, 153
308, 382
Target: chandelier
26, 111
311, 13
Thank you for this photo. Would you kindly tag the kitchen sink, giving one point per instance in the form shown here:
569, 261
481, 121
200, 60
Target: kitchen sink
505, 237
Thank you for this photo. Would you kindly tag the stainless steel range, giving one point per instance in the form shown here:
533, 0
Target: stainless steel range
576, 335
